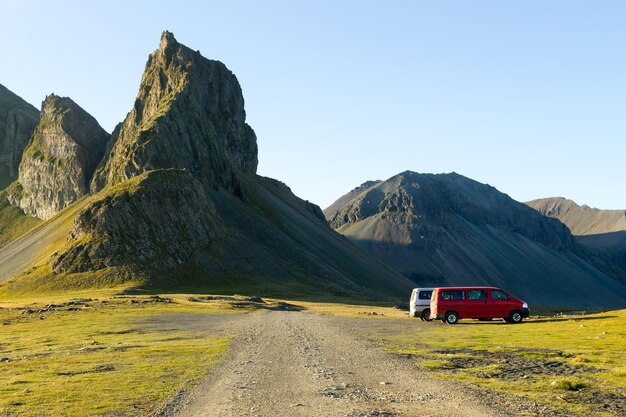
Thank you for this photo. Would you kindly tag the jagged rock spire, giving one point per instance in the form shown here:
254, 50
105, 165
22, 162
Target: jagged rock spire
60, 158
189, 114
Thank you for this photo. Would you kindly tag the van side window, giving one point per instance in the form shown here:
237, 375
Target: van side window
453, 295
499, 295
477, 294
425, 295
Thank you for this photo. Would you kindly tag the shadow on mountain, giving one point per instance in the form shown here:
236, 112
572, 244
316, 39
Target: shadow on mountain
526, 269
613, 241
605, 251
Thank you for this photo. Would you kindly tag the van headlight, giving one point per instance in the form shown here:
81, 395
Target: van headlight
525, 305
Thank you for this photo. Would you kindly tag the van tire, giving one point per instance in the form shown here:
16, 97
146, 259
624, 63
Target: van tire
515, 317
426, 315
452, 317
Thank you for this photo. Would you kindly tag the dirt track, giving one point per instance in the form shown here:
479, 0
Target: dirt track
306, 364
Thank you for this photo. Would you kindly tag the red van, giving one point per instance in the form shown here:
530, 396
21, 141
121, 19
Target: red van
453, 303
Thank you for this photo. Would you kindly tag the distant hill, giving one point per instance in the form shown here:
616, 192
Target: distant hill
601, 234
171, 200
594, 227
447, 229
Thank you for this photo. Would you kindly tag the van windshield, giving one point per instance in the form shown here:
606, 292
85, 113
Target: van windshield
499, 295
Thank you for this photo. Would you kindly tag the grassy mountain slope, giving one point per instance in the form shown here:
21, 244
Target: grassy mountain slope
271, 242
13, 221
31, 250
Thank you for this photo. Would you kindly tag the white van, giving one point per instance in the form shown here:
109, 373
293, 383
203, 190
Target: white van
419, 306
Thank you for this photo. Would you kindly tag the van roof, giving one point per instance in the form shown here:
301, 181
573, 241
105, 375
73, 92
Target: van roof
469, 288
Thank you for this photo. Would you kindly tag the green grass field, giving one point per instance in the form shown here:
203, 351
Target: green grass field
100, 357
576, 363
106, 356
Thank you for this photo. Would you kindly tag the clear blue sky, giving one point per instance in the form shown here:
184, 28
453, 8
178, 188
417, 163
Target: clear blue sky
528, 96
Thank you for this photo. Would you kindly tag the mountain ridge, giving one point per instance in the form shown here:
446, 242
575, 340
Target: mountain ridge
601, 234
446, 229
581, 219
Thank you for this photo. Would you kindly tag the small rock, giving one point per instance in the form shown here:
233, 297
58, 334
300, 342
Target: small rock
26, 391
296, 405
385, 383
81, 300
3, 360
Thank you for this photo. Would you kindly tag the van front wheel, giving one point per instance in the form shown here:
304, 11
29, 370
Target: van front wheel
426, 315
515, 317
452, 317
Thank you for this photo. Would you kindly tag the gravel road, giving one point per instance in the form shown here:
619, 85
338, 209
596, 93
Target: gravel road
308, 364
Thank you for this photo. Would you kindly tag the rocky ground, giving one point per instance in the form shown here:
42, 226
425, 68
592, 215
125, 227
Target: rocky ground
306, 364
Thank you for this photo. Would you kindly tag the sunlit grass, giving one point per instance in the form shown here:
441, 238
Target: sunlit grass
596, 341
100, 359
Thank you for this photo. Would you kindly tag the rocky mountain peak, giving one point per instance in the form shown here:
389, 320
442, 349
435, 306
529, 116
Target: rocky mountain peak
59, 161
56, 104
189, 114
17, 121
167, 40
365, 185
411, 198
447, 229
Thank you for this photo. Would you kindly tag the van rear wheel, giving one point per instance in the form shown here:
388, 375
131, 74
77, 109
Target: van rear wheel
515, 317
426, 315
452, 317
